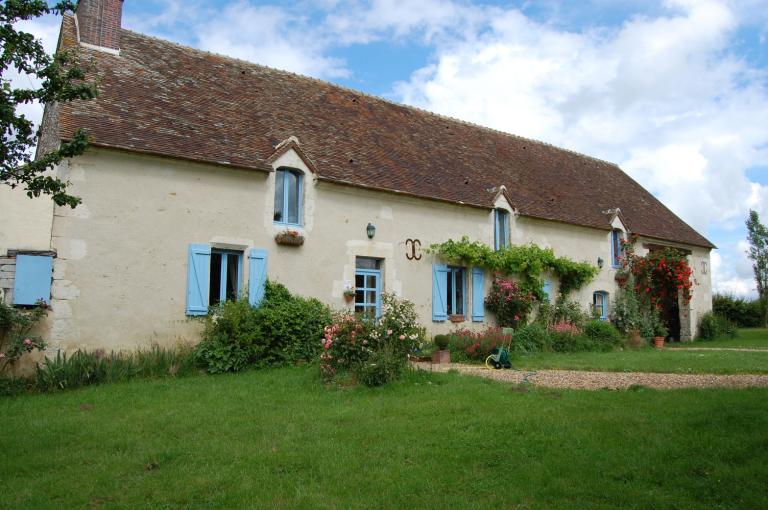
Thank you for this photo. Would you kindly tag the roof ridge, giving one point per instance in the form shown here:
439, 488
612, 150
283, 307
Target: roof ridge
375, 97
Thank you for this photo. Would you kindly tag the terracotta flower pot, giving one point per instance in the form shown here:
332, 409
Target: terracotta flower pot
349, 298
456, 318
658, 342
441, 357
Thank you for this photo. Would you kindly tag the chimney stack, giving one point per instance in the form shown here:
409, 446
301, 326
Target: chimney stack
98, 23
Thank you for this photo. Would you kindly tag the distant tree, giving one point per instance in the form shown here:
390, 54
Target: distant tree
757, 235
61, 79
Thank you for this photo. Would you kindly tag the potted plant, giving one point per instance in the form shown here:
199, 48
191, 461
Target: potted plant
442, 354
349, 294
456, 318
289, 237
660, 332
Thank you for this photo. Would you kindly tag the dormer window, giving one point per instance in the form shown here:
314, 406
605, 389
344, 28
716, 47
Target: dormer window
288, 196
501, 228
617, 238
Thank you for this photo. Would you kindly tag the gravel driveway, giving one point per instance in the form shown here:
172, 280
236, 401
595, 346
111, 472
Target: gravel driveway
583, 380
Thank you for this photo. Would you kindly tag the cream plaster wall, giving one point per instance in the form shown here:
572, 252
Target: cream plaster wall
121, 273
25, 223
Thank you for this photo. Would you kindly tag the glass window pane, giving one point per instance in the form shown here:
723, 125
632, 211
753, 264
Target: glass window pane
367, 263
370, 282
359, 280
370, 297
233, 276
292, 211
459, 291
359, 295
359, 308
279, 182
450, 292
214, 287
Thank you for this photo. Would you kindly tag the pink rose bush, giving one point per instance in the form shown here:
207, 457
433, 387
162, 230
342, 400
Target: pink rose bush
351, 341
509, 302
15, 338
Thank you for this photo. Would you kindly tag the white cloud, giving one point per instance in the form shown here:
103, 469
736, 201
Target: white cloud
662, 96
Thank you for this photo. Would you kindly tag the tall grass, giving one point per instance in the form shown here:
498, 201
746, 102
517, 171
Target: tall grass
83, 368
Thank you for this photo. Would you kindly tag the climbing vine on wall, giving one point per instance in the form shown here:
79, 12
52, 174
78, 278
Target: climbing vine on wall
526, 262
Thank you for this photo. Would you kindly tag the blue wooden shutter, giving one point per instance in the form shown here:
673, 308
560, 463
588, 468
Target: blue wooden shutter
33, 279
548, 290
439, 292
478, 294
198, 279
257, 275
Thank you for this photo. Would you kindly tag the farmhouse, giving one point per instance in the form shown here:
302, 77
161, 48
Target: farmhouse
206, 175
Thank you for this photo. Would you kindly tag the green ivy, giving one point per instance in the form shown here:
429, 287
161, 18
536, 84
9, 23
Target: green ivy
527, 262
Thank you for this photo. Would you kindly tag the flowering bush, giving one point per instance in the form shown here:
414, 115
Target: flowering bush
477, 345
510, 303
660, 275
16, 325
351, 342
347, 341
564, 327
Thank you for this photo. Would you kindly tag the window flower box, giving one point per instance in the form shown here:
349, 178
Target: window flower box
289, 238
456, 318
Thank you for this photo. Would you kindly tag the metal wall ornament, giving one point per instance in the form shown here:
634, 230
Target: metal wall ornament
412, 252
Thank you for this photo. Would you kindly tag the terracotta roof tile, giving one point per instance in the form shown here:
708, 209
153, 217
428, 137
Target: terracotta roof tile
163, 98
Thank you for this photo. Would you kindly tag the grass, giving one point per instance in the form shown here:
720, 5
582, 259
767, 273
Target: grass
751, 338
666, 360
650, 360
279, 439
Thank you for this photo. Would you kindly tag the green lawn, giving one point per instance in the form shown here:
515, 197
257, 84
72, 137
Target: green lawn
753, 338
279, 439
650, 360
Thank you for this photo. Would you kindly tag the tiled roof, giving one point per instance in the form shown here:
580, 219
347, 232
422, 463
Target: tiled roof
162, 98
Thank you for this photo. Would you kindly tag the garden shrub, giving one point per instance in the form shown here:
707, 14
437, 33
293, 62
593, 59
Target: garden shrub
562, 311
16, 325
371, 350
232, 338
712, 326
380, 368
743, 313
602, 335
531, 338
441, 341
290, 327
476, 346
509, 302
625, 310
283, 329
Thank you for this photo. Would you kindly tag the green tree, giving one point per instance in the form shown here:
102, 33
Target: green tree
60, 78
757, 235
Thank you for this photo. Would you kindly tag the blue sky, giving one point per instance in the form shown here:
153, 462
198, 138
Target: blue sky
675, 91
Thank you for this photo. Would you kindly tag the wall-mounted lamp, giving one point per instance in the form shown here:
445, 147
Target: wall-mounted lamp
600, 262
370, 230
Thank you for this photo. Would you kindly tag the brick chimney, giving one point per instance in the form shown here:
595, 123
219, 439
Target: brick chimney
98, 23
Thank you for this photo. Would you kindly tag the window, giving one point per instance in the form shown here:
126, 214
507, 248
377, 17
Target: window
288, 196
455, 293
368, 287
226, 274
548, 291
704, 267
616, 248
214, 276
501, 228
600, 304
449, 292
